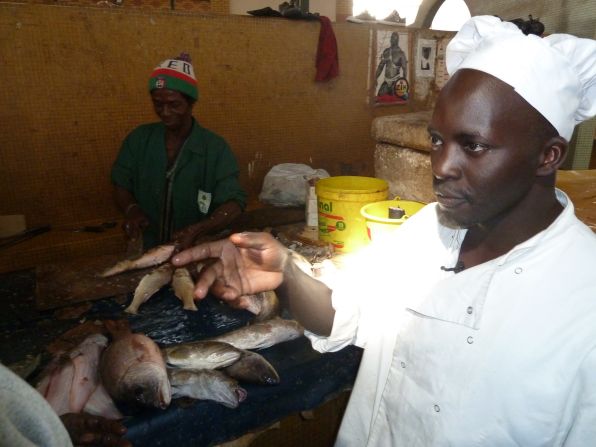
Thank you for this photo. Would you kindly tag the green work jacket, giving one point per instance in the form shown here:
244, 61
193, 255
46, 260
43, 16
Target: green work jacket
205, 176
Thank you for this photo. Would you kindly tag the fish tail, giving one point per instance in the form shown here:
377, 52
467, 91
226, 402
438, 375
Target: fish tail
190, 305
132, 310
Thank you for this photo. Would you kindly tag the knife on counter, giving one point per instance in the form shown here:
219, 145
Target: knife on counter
23, 235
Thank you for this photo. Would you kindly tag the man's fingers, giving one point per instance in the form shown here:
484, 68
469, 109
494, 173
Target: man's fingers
199, 253
206, 279
220, 278
216, 249
251, 240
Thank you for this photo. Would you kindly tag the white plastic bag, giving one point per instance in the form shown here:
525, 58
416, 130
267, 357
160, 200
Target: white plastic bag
286, 184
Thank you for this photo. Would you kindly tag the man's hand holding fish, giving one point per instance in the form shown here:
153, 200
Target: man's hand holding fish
249, 263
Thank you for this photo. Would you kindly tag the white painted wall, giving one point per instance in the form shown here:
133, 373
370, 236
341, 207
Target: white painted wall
323, 7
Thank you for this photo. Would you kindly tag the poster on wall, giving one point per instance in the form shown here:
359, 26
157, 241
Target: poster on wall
391, 68
425, 57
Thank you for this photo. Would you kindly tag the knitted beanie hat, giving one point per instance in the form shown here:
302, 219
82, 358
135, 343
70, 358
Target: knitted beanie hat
175, 74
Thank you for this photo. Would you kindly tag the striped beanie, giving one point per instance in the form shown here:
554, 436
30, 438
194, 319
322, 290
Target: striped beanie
175, 74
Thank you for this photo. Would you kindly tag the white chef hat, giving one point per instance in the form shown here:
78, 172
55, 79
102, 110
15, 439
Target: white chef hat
555, 74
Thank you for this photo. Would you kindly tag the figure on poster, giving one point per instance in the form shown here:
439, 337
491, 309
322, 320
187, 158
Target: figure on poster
426, 54
425, 61
394, 65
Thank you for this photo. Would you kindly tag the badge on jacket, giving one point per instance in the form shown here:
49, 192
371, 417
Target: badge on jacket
204, 200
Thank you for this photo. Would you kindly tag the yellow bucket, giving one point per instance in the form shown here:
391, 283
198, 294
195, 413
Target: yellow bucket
339, 200
378, 224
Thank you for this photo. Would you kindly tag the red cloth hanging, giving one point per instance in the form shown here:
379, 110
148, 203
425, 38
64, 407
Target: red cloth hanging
327, 61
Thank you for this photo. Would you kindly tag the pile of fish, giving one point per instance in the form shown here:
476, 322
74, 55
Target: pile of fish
264, 305
71, 383
211, 369
132, 369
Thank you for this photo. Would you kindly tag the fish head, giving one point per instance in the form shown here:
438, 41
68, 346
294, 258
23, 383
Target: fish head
269, 377
228, 395
146, 384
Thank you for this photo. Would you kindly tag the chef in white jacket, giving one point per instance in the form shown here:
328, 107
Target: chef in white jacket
478, 316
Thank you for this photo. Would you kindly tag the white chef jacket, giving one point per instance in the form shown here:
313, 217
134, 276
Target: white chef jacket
501, 354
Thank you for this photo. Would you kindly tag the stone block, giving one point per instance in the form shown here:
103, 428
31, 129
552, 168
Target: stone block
407, 171
405, 130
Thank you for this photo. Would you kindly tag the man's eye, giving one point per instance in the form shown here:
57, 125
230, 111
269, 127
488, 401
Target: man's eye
435, 141
475, 147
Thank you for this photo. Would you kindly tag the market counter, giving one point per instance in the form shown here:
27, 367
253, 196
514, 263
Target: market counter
308, 378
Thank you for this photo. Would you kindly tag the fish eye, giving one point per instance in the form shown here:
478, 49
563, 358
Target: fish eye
138, 393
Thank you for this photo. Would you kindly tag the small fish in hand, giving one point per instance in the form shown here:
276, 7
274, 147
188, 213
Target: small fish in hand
184, 288
265, 305
154, 256
149, 286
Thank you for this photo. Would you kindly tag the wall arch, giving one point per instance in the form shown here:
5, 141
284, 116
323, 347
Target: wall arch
428, 9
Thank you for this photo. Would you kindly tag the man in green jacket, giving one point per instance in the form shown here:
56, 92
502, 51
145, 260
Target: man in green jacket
175, 180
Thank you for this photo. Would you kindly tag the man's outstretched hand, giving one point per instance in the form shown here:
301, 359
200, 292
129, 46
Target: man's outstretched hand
87, 430
244, 264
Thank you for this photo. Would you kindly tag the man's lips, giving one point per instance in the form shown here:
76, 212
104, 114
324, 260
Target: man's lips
449, 200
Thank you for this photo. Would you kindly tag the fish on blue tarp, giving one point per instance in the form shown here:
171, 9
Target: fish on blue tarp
262, 334
132, 368
206, 384
252, 367
201, 355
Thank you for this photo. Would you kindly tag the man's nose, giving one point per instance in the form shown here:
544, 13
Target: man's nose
445, 161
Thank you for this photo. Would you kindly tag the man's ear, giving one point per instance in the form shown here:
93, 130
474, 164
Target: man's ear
552, 156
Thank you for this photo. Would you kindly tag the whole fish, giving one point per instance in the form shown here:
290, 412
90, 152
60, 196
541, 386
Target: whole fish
201, 355
149, 285
264, 305
132, 369
184, 288
253, 368
71, 378
263, 334
154, 256
206, 384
